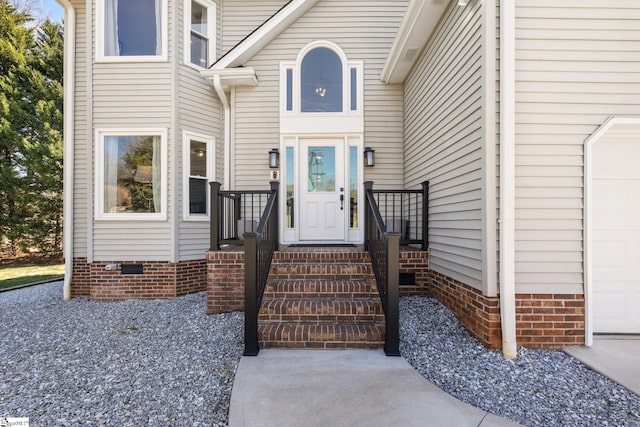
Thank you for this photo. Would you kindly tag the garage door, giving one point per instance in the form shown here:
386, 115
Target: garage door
616, 235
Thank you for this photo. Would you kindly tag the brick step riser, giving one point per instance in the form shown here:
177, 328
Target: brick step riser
321, 272
343, 311
321, 258
320, 336
297, 289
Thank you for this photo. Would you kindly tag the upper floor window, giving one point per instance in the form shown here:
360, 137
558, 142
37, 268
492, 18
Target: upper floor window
199, 32
322, 80
129, 30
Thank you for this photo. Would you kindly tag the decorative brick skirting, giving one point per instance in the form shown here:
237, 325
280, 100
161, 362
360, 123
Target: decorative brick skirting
542, 320
550, 320
225, 281
81, 278
158, 280
479, 314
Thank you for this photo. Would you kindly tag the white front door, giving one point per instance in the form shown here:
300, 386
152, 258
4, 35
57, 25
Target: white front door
323, 200
616, 236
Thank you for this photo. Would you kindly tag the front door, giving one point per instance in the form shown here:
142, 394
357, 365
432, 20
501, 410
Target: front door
322, 190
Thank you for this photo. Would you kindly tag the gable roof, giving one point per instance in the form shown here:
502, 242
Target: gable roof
419, 22
264, 34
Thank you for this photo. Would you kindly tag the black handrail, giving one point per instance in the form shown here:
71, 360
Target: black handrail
259, 247
384, 250
406, 212
233, 213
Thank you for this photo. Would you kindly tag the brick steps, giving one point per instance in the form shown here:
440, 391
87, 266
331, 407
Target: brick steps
326, 335
321, 300
321, 310
320, 288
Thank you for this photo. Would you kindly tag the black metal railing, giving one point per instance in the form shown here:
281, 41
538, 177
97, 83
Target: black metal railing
384, 249
406, 212
233, 213
259, 246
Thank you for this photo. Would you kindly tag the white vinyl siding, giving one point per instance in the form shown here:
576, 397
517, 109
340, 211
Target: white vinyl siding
82, 179
199, 112
240, 18
443, 142
365, 32
130, 95
577, 63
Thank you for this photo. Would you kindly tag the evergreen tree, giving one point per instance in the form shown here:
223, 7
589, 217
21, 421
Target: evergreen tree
31, 73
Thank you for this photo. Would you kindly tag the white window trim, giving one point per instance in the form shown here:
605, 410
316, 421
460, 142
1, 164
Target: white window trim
99, 178
211, 32
99, 47
210, 141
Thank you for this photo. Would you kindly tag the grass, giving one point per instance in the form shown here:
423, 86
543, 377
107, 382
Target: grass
17, 276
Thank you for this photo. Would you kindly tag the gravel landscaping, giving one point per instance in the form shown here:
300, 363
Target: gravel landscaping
155, 363
161, 363
538, 388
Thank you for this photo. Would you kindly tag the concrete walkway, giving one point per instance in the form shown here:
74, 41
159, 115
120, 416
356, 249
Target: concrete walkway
614, 356
343, 388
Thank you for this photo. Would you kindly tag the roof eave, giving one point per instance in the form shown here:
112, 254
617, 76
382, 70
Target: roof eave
419, 23
257, 40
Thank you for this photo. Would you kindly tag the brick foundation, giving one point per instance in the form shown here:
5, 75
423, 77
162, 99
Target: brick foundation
415, 262
479, 314
550, 320
159, 280
225, 281
81, 279
542, 320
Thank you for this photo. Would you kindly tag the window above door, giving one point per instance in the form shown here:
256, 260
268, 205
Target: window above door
321, 84
321, 80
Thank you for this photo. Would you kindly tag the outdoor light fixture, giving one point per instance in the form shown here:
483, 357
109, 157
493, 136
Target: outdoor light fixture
274, 158
369, 159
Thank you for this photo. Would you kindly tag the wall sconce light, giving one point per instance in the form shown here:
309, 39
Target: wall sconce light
462, 2
369, 159
274, 158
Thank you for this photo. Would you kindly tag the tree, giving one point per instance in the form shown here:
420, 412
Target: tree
15, 42
31, 72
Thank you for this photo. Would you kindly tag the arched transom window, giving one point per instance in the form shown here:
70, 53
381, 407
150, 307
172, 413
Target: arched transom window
321, 80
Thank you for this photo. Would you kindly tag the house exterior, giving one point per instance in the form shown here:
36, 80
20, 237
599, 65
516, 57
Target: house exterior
523, 116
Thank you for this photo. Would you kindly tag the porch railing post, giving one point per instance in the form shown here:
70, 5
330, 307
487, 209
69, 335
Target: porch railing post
425, 215
392, 337
214, 211
368, 185
275, 216
250, 296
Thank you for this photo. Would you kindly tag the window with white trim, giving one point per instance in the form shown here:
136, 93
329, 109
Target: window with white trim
131, 30
321, 80
198, 167
131, 174
200, 24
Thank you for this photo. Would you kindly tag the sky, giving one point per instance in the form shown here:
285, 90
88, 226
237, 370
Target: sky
51, 9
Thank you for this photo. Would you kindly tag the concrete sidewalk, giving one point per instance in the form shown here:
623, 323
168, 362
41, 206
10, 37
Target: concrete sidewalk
615, 357
343, 388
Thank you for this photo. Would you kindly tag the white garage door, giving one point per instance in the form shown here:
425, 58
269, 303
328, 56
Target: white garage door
616, 235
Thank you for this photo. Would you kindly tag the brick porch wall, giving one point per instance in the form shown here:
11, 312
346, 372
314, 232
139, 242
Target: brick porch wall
415, 262
159, 280
225, 281
542, 320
